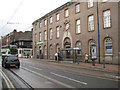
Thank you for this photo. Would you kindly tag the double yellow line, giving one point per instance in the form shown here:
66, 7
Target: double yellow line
7, 81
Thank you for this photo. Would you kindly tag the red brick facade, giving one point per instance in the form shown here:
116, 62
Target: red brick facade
85, 35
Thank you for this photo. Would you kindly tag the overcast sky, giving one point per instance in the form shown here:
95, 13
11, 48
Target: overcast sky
24, 12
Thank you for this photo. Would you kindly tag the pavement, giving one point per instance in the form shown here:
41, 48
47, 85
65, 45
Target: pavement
98, 67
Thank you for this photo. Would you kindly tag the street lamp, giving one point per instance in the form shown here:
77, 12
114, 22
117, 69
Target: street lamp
47, 37
98, 33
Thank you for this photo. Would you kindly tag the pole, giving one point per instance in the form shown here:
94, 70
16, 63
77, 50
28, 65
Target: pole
47, 37
98, 33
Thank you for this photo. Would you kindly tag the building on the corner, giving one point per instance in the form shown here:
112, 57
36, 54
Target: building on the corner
24, 44
9, 38
74, 24
23, 40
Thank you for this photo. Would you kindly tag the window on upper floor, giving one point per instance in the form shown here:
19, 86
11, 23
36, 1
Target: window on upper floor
40, 37
67, 26
57, 17
77, 8
107, 18
40, 24
36, 27
51, 33
91, 23
45, 22
104, 0
66, 13
45, 35
57, 31
51, 19
90, 3
78, 26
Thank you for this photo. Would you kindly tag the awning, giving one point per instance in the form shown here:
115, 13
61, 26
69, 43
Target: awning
40, 43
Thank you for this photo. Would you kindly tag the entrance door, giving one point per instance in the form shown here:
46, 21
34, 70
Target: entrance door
40, 50
67, 44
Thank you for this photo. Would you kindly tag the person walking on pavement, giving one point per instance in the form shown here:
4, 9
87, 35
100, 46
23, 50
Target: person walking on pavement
56, 55
86, 58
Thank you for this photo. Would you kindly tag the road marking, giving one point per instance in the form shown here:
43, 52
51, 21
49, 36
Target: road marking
35, 68
69, 78
7, 80
46, 77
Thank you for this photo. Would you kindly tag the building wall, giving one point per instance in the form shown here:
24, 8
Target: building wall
119, 32
85, 36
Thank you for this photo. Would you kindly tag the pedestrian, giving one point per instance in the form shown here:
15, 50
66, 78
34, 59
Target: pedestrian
27, 55
56, 55
86, 58
59, 55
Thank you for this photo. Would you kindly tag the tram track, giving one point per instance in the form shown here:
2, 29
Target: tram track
22, 80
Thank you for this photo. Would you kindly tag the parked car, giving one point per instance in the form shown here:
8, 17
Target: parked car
10, 61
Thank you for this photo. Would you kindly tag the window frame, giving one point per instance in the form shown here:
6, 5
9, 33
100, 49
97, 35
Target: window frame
36, 28
45, 22
89, 30
88, 4
77, 26
66, 13
107, 45
79, 48
104, 1
51, 36
57, 17
51, 20
57, 32
89, 43
40, 37
109, 19
67, 27
40, 25
57, 47
77, 7
45, 35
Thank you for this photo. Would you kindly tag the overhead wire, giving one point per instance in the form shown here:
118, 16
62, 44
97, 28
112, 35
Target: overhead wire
12, 14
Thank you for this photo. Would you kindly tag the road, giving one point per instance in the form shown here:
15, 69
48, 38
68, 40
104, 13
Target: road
39, 74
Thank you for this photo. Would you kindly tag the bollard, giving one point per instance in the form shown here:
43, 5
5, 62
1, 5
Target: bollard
78, 61
103, 63
93, 62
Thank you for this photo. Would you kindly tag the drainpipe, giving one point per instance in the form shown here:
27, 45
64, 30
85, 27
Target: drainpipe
98, 33
47, 37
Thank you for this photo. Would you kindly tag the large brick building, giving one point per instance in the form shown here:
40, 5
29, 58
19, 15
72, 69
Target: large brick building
9, 38
74, 24
23, 40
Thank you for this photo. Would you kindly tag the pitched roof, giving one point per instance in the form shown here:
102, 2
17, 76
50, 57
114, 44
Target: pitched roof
26, 36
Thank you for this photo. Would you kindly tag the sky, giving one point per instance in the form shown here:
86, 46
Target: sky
20, 14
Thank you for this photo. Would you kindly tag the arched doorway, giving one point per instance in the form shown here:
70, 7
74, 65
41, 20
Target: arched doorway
67, 44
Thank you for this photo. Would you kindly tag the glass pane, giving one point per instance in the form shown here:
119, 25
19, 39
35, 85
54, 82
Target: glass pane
108, 46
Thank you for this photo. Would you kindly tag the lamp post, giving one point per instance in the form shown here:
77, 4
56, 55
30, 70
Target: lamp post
98, 33
47, 37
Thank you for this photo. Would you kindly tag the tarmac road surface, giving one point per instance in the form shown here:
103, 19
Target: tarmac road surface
38, 74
